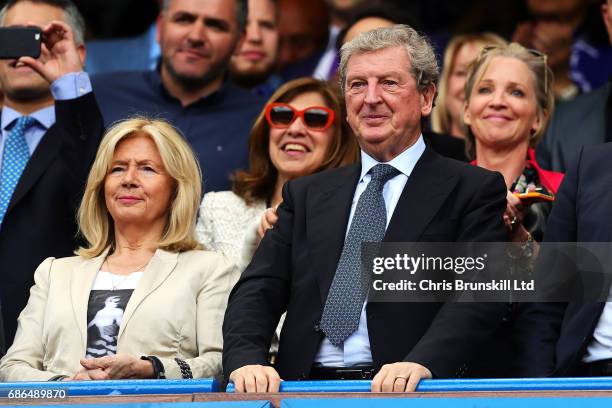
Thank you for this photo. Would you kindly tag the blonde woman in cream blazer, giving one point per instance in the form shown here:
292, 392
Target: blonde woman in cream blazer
141, 299
176, 311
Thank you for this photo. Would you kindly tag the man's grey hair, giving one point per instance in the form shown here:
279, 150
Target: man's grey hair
72, 16
423, 62
242, 10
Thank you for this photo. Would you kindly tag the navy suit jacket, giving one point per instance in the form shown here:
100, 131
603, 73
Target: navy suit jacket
41, 217
560, 333
292, 270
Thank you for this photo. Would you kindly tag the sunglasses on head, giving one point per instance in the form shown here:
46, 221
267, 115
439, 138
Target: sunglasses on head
538, 54
282, 115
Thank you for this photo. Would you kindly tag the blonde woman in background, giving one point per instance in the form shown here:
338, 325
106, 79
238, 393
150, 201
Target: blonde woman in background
461, 51
508, 101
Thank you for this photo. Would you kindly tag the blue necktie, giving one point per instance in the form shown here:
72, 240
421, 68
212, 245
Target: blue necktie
350, 285
14, 160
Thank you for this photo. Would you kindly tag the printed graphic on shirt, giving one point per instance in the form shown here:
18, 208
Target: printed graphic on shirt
104, 314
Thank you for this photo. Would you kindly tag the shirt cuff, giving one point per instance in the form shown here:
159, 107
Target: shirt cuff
71, 86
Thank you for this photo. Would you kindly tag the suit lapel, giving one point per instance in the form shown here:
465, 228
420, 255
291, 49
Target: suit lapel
156, 272
81, 283
327, 215
46, 151
426, 190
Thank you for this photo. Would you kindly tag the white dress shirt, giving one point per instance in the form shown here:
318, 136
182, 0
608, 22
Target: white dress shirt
600, 347
356, 348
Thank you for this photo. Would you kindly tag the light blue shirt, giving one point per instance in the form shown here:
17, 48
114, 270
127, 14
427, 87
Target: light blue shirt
69, 86
356, 348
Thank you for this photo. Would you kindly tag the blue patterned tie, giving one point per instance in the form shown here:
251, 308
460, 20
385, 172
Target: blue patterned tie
14, 160
350, 285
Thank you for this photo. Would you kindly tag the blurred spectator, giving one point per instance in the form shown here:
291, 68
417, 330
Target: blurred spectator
114, 19
253, 64
130, 53
371, 15
363, 23
50, 130
134, 52
190, 88
581, 122
341, 12
459, 54
368, 19
447, 18
304, 37
566, 32
139, 287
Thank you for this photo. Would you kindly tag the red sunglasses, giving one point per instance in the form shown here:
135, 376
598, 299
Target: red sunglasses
282, 115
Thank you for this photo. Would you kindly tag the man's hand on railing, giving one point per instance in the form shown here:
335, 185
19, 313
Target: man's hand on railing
255, 378
399, 377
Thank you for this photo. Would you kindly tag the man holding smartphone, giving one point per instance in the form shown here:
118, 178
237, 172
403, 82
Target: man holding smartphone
50, 130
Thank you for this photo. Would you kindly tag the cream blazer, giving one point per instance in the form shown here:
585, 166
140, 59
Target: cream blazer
176, 310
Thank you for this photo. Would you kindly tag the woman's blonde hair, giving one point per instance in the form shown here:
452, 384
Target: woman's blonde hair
543, 84
95, 222
441, 120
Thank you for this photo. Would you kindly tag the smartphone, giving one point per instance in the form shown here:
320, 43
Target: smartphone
534, 197
18, 42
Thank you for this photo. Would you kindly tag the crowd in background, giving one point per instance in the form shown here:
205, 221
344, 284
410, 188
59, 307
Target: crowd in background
214, 106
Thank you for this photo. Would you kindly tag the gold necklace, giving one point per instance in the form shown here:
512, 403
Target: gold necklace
115, 286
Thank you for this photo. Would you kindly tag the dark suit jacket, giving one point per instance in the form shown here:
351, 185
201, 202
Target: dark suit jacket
582, 213
443, 200
2, 343
40, 221
577, 123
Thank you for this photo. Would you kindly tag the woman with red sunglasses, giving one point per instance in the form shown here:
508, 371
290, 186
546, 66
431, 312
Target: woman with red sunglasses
299, 132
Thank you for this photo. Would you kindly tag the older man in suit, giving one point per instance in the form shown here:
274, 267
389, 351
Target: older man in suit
309, 263
50, 130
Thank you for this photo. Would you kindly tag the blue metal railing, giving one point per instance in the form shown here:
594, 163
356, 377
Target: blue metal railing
510, 384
